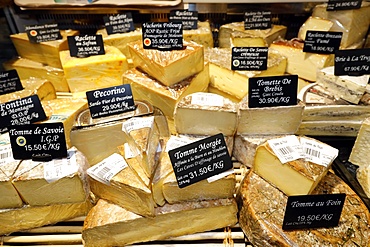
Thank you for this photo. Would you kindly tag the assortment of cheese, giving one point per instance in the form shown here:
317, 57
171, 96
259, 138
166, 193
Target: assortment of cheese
123, 163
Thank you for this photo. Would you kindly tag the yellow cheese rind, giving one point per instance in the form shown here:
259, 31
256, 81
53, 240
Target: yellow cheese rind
202, 35
168, 67
94, 72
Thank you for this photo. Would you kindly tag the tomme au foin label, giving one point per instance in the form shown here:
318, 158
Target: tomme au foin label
120, 23
162, 35
43, 32
86, 45
9, 82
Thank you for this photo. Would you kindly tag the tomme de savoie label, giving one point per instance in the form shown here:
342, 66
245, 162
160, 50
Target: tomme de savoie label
9, 82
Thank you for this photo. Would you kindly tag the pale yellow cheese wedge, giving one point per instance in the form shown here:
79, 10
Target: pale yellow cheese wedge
314, 24
9, 195
202, 35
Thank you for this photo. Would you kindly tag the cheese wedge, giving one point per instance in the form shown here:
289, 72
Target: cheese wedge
27, 68
262, 210
35, 184
352, 23
164, 97
43, 88
120, 40
235, 82
247, 40
205, 114
363, 178
202, 35
9, 195
237, 29
94, 72
110, 225
335, 112
330, 128
164, 169
29, 217
349, 88
314, 24
359, 154
300, 63
44, 52
168, 67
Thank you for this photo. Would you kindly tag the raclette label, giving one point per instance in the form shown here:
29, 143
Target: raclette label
162, 35
249, 58
343, 5
22, 111
272, 91
200, 160
43, 33
188, 18
322, 42
110, 101
354, 62
9, 82
40, 142
120, 23
86, 45
257, 20
313, 211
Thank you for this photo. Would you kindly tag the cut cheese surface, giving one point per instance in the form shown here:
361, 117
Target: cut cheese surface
247, 40
110, 225
335, 112
202, 35
168, 67
314, 24
9, 195
360, 151
363, 177
262, 209
330, 128
94, 72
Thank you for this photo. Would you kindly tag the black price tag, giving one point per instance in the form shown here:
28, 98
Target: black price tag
10, 82
354, 62
249, 58
322, 42
120, 23
343, 5
86, 45
313, 211
188, 18
40, 142
272, 91
257, 20
162, 35
110, 101
43, 33
200, 160
21, 111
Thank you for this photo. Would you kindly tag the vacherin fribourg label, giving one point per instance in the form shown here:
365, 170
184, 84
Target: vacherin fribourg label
110, 101
249, 58
257, 20
188, 18
38, 141
200, 160
162, 35
21, 111
313, 211
10, 82
272, 91
120, 23
354, 62
43, 33
86, 45
343, 4
322, 42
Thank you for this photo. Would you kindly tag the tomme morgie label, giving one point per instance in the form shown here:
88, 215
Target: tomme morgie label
257, 20
120, 23
200, 160
9, 82
322, 42
313, 211
86, 45
354, 62
162, 35
110, 101
188, 18
249, 58
43, 33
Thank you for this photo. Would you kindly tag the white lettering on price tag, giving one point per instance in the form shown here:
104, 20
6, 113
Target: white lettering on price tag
137, 123
207, 99
60, 168
317, 152
287, 148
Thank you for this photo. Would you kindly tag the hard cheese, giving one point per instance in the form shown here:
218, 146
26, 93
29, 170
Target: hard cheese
314, 24
360, 151
202, 35
9, 195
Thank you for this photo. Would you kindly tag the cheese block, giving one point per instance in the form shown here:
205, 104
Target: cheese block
29, 217
43, 88
295, 177
164, 97
44, 52
168, 67
64, 110
110, 225
215, 90
300, 63
246, 40
269, 120
37, 181
164, 169
94, 72
335, 112
27, 68
202, 35
314, 24
262, 209
120, 40
348, 128
352, 23
235, 82
237, 29
350, 88
359, 154
9, 195
363, 178
205, 114
123, 187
